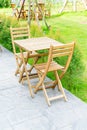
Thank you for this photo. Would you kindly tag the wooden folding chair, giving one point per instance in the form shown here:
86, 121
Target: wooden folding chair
20, 33
52, 66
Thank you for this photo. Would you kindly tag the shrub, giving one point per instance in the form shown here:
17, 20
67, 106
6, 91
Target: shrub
36, 31
5, 37
4, 3
73, 78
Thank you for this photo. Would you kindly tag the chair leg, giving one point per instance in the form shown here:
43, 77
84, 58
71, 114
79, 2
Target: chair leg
44, 90
38, 85
18, 67
24, 65
41, 78
23, 70
21, 74
45, 94
60, 86
57, 80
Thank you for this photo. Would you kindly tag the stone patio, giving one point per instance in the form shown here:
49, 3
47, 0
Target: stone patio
18, 111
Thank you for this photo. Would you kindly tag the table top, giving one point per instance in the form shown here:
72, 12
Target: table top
34, 44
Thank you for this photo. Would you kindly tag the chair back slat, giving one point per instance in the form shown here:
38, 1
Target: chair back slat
62, 54
19, 33
19, 28
63, 50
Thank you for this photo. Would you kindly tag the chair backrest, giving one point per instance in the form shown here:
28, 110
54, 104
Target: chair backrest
64, 50
58, 51
19, 33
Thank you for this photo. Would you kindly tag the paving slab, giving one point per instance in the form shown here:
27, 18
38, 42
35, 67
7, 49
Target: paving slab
18, 111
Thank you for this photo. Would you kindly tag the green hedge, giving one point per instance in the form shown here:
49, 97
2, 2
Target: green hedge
4, 3
5, 37
73, 77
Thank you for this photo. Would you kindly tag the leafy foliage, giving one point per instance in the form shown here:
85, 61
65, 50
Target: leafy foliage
5, 37
4, 3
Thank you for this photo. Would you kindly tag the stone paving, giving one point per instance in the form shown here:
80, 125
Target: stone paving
18, 111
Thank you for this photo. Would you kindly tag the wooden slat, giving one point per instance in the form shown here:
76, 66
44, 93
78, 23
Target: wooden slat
20, 35
64, 46
46, 87
56, 97
62, 50
34, 75
62, 54
20, 32
21, 28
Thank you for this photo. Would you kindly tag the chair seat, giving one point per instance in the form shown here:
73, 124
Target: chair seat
53, 66
33, 54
